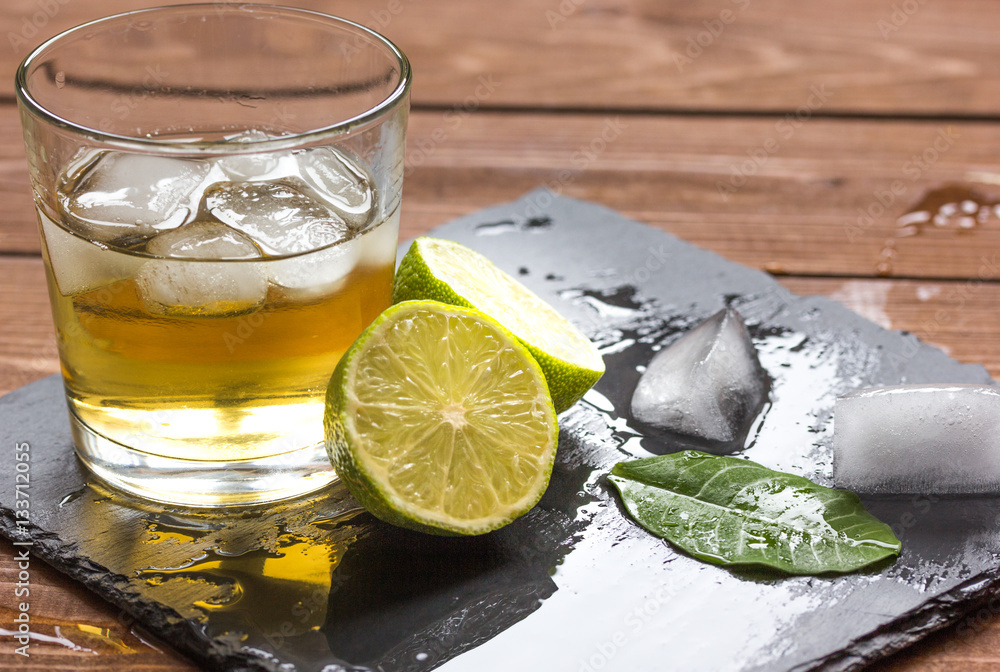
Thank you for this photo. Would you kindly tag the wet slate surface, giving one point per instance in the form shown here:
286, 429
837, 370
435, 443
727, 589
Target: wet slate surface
319, 585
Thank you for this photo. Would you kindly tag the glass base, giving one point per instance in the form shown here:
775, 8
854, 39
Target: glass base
197, 483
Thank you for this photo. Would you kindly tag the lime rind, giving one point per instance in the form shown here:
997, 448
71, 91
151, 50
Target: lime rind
446, 271
386, 428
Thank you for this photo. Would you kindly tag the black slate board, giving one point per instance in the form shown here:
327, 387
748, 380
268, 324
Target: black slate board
318, 585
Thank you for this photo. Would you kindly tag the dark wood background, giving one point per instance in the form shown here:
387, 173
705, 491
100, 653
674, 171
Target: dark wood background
841, 103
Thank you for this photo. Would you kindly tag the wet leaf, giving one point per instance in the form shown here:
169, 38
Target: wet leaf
731, 511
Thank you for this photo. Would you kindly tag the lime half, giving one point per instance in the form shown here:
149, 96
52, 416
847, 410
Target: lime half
439, 420
443, 270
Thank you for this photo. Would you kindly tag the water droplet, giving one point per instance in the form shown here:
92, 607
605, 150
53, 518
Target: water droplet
952, 206
285, 590
73, 496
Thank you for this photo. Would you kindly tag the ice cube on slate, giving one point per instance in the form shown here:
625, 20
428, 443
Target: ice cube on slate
277, 216
180, 286
918, 439
706, 388
132, 196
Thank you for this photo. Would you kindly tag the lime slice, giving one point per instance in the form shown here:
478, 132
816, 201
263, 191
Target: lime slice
446, 271
439, 420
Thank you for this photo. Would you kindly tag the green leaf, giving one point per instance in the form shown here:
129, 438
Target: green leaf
731, 511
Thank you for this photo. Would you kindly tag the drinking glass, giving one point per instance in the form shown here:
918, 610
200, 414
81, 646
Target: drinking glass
218, 191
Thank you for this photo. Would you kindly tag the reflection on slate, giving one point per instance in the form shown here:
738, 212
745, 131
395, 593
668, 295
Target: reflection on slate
405, 600
319, 585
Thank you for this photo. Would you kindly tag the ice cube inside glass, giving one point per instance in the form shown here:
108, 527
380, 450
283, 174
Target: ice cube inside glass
209, 260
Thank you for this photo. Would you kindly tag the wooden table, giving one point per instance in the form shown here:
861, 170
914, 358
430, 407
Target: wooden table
787, 136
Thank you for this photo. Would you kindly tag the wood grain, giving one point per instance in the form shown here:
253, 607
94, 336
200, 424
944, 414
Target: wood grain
76, 630
800, 209
594, 99
929, 58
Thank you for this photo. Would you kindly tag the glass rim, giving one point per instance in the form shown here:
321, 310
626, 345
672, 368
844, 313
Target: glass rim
167, 146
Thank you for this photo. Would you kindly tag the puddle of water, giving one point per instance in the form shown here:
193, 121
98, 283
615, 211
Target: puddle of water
283, 591
165, 527
511, 225
803, 374
953, 207
83, 638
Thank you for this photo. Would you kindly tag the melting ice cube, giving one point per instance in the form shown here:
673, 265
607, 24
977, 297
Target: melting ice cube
183, 285
132, 196
80, 265
277, 216
707, 388
378, 245
316, 273
340, 181
251, 166
918, 439
325, 271
203, 240
244, 167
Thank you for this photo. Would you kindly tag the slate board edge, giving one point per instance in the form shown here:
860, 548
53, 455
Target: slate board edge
153, 617
929, 617
935, 614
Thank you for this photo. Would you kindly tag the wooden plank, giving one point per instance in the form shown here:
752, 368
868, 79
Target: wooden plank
75, 629
18, 226
956, 316
913, 57
791, 199
970, 645
799, 209
27, 342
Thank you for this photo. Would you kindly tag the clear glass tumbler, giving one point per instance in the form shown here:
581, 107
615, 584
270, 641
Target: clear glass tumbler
218, 191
